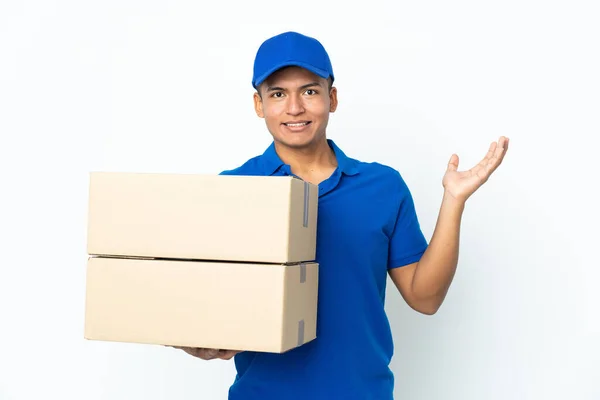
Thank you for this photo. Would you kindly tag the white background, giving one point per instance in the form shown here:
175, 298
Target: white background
165, 87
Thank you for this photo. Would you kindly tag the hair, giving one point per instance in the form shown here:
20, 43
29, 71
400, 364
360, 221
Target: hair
329, 83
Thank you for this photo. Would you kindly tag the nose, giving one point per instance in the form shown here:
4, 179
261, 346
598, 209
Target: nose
295, 105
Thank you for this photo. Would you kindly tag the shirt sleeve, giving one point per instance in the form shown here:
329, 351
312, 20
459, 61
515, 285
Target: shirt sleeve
407, 242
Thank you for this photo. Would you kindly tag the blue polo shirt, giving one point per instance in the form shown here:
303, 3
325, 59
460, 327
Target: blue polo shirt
367, 224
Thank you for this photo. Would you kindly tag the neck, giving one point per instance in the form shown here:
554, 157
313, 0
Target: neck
315, 159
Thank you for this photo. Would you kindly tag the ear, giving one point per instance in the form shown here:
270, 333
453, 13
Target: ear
258, 105
333, 100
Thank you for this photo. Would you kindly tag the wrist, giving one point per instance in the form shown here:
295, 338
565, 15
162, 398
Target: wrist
449, 200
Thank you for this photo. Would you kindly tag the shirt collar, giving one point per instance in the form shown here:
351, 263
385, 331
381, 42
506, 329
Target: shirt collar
272, 162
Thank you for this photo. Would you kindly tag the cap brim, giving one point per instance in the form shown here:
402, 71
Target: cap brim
317, 71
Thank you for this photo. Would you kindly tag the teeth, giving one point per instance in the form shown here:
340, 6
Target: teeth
299, 124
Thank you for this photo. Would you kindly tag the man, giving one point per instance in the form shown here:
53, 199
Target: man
367, 229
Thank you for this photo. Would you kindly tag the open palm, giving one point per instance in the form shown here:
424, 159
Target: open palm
462, 184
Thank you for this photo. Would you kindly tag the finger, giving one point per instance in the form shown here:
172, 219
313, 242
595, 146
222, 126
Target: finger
499, 153
227, 354
193, 351
205, 354
211, 353
504, 144
198, 352
453, 163
489, 155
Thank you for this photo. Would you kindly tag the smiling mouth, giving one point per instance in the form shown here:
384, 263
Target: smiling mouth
296, 124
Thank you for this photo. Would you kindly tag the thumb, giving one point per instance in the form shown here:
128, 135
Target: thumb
453, 163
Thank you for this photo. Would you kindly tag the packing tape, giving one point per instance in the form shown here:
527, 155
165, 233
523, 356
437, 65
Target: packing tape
302, 272
306, 197
300, 332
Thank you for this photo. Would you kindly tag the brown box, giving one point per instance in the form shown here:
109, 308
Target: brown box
202, 217
237, 306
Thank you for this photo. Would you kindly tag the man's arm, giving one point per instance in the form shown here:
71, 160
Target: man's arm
424, 284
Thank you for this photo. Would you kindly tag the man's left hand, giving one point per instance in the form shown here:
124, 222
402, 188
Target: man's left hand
462, 184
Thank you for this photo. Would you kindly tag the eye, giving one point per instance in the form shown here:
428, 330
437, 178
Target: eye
277, 94
311, 92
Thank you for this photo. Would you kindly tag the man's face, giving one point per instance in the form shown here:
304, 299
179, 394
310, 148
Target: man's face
295, 104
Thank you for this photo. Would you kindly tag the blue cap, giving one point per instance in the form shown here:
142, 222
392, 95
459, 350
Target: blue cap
291, 49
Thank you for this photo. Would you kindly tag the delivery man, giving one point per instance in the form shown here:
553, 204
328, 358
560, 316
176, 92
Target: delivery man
367, 229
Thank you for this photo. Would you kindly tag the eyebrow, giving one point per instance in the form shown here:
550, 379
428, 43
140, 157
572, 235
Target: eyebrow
277, 88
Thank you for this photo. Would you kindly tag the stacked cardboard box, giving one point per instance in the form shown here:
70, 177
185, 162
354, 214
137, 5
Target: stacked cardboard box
221, 262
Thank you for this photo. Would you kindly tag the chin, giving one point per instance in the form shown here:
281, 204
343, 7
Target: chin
297, 143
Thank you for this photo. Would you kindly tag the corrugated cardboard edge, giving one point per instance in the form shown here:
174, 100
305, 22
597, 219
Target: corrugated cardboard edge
297, 324
313, 209
89, 211
306, 204
288, 250
282, 312
85, 299
286, 326
309, 217
300, 332
88, 277
301, 327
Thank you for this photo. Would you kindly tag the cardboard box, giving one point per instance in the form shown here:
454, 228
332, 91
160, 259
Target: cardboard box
236, 306
202, 217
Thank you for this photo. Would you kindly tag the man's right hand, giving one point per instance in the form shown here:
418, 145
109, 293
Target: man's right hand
208, 354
